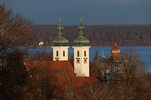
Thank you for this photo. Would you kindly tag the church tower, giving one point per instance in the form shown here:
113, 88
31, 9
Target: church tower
81, 53
60, 48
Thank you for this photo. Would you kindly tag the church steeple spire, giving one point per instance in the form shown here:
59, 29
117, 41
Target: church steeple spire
81, 28
60, 48
81, 20
81, 40
60, 40
60, 28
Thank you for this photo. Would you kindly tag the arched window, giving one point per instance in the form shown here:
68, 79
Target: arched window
85, 53
77, 53
57, 53
64, 53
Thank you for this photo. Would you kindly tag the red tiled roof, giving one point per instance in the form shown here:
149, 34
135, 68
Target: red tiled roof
72, 85
56, 67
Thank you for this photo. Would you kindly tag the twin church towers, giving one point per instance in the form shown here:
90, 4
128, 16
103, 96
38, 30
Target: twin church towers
81, 50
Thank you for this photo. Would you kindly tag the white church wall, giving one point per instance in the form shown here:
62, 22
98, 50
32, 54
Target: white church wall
61, 56
81, 62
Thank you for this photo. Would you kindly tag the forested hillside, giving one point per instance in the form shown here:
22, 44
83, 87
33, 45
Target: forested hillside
99, 35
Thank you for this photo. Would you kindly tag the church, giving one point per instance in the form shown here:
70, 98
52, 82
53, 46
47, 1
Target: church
81, 51
67, 76
69, 79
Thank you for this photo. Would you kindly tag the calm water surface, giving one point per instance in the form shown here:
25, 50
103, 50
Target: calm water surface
144, 51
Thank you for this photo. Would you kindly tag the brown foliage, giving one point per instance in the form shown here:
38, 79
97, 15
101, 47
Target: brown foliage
14, 31
99, 35
43, 56
42, 82
95, 71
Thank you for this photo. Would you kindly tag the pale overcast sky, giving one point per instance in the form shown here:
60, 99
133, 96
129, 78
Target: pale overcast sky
93, 12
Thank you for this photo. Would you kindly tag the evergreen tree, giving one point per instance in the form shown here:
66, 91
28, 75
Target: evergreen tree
96, 55
97, 67
15, 77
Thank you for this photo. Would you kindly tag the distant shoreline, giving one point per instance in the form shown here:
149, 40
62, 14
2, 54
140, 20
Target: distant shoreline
99, 35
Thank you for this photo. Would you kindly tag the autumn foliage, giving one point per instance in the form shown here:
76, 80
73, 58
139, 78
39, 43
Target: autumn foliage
99, 35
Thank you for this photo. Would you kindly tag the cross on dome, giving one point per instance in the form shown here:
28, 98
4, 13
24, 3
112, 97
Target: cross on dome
81, 19
60, 19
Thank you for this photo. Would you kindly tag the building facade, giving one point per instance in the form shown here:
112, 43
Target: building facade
81, 51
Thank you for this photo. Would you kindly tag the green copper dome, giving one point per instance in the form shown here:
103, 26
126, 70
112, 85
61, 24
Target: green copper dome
81, 40
60, 40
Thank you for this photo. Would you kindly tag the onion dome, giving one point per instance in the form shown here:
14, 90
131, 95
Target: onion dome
81, 40
115, 50
60, 40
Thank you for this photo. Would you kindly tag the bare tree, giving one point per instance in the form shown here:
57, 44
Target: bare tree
14, 31
42, 81
131, 84
96, 91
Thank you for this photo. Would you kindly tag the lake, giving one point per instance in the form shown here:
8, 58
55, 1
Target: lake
144, 51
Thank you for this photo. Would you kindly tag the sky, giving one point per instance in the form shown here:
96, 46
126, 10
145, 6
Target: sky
93, 12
